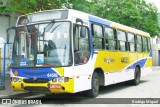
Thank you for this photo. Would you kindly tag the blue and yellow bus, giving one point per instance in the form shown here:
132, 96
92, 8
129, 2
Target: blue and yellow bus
68, 51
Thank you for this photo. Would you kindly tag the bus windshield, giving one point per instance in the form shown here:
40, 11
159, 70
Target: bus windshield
46, 44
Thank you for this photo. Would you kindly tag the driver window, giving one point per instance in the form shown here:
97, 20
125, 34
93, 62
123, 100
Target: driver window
81, 44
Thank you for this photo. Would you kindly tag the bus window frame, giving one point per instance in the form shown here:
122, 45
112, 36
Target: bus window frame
115, 39
139, 44
118, 41
135, 48
143, 37
102, 37
149, 43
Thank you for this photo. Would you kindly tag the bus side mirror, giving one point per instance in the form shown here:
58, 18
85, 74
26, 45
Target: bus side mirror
79, 20
7, 32
83, 32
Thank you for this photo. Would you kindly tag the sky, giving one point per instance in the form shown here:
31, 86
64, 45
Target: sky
156, 3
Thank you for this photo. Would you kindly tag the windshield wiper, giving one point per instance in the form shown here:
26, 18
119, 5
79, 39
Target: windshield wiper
56, 27
49, 26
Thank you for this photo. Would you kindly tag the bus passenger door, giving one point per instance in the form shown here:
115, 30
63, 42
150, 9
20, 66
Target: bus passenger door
82, 67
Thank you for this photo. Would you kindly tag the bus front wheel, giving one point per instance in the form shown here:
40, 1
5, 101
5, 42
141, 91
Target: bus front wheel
137, 76
94, 91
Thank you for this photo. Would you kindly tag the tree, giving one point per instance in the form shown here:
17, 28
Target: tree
128, 12
28, 6
82, 5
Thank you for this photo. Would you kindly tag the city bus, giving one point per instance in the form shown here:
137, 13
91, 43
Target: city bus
68, 51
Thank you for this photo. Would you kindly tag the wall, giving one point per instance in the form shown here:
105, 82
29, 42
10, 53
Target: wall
155, 54
156, 51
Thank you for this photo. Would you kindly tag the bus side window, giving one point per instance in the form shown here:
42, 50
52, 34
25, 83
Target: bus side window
122, 41
110, 38
145, 46
139, 43
131, 42
149, 44
97, 38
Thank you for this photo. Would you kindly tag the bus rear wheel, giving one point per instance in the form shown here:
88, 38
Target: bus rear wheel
137, 76
94, 91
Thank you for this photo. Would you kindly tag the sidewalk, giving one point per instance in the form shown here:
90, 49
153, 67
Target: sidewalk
155, 68
9, 92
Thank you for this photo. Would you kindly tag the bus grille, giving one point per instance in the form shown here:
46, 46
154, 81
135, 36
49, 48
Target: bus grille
39, 80
37, 89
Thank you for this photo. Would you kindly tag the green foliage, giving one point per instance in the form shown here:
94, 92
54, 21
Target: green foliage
134, 13
82, 5
28, 6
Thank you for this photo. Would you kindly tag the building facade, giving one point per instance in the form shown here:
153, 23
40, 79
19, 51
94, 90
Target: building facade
156, 48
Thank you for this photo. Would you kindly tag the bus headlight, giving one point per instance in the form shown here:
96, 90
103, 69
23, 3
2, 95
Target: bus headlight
54, 79
60, 79
15, 79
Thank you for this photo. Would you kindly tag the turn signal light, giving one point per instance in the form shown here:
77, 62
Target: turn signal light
66, 79
15, 73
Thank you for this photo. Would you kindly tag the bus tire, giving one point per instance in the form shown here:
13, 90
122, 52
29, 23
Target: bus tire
94, 91
137, 76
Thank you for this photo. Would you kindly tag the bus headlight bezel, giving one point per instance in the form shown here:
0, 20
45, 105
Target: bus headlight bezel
54, 80
15, 79
60, 79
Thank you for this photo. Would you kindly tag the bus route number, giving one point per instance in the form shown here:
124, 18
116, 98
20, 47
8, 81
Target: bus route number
52, 75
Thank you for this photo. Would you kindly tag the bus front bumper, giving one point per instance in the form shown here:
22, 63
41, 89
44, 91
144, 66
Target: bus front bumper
49, 87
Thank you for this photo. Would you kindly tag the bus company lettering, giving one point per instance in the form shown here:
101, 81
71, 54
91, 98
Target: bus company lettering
124, 59
108, 60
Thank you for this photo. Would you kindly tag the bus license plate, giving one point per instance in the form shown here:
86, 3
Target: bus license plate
55, 86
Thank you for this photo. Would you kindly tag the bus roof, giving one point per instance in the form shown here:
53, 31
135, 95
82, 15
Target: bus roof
95, 19
115, 25
130, 29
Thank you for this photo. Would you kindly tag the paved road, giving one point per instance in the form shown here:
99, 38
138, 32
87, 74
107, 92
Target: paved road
148, 88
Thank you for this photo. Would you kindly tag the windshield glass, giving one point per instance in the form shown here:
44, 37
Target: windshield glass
46, 44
